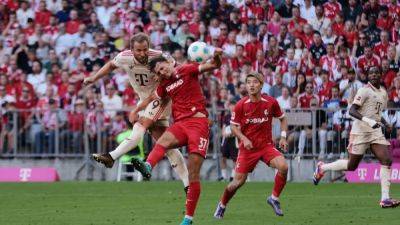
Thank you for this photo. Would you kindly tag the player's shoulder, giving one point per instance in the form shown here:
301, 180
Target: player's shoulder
124, 56
154, 53
186, 66
268, 98
243, 101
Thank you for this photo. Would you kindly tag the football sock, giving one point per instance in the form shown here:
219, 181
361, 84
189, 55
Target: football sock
223, 172
129, 143
385, 181
228, 194
178, 164
156, 155
338, 165
192, 198
280, 182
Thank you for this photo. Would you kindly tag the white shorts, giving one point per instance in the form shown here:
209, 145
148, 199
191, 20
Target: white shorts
359, 143
158, 112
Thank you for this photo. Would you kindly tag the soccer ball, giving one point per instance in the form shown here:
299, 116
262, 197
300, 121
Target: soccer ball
198, 52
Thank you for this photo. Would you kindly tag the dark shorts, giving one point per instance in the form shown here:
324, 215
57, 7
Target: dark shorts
193, 132
247, 160
229, 149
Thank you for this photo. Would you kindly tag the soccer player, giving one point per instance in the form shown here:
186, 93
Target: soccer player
190, 126
366, 133
155, 116
251, 123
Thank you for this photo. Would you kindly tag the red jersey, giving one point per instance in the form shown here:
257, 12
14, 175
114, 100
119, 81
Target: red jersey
364, 63
331, 9
305, 100
184, 89
255, 119
381, 49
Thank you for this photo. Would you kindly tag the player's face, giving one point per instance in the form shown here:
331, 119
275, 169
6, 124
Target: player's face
374, 76
140, 51
164, 69
253, 86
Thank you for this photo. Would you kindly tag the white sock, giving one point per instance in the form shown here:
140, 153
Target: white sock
129, 143
338, 165
178, 164
189, 217
274, 197
385, 181
233, 173
224, 173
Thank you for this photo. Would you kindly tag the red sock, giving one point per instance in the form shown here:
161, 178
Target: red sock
192, 197
280, 182
228, 194
156, 155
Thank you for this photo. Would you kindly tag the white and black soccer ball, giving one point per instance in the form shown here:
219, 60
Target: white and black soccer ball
199, 52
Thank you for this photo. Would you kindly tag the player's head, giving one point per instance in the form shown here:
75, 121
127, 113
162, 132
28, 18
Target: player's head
140, 44
374, 75
161, 67
254, 83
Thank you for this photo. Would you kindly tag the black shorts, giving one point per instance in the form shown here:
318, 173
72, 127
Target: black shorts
229, 149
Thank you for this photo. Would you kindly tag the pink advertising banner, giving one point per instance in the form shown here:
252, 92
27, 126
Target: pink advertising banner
16, 174
369, 173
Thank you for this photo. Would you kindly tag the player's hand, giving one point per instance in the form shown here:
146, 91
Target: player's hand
133, 116
372, 123
247, 143
218, 51
88, 80
283, 144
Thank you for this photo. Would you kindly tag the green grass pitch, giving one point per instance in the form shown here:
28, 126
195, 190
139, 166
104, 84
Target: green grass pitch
153, 203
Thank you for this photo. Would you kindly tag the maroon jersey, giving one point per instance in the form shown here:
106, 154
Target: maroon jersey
255, 119
185, 92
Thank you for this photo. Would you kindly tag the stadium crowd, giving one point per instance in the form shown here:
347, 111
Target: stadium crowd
313, 54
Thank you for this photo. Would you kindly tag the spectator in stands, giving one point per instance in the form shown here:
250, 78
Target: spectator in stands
73, 135
305, 98
50, 122
23, 13
284, 99
98, 124
348, 87
112, 102
276, 89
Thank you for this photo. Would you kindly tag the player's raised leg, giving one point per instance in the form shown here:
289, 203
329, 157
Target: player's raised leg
382, 154
165, 142
174, 156
350, 164
280, 164
138, 130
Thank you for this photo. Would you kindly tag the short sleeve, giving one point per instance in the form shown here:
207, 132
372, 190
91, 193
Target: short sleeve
122, 58
237, 114
276, 110
360, 97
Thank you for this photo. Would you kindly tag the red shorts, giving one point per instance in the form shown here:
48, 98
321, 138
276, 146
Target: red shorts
193, 132
247, 160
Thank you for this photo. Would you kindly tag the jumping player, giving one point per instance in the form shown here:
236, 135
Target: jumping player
190, 126
155, 116
251, 123
366, 132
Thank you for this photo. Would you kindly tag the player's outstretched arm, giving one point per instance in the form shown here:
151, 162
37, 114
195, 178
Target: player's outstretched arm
141, 106
238, 133
104, 71
354, 113
215, 62
284, 128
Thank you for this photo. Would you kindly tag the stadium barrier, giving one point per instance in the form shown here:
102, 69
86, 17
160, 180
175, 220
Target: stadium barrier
313, 133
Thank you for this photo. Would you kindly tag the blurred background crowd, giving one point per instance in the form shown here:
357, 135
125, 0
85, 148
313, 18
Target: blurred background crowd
313, 55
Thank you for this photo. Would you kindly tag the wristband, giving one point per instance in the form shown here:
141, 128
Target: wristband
283, 134
369, 121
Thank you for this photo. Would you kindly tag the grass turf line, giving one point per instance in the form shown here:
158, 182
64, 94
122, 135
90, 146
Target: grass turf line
153, 203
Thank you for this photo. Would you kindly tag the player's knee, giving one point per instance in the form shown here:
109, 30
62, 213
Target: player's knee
283, 168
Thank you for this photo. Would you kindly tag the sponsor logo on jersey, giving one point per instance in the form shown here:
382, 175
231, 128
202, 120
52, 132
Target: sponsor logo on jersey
256, 120
174, 85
